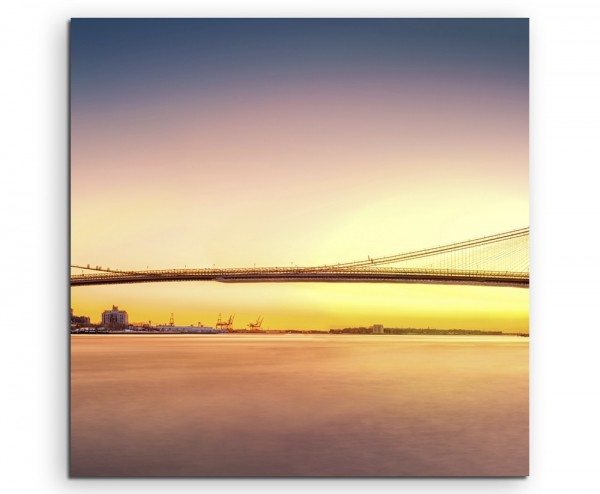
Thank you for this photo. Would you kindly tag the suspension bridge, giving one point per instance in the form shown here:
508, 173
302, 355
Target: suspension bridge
495, 260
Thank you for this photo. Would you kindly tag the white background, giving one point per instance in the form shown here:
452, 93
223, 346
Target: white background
565, 342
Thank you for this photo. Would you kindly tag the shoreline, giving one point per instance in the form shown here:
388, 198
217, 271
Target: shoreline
287, 333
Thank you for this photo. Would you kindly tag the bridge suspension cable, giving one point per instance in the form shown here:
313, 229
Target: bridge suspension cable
435, 251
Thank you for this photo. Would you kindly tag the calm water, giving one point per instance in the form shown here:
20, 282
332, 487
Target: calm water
256, 405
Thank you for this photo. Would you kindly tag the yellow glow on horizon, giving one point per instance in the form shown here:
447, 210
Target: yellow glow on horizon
314, 306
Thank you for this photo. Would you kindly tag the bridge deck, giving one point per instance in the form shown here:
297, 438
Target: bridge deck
320, 275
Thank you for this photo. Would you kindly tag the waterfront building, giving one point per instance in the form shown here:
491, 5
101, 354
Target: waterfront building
377, 328
79, 320
188, 329
115, 318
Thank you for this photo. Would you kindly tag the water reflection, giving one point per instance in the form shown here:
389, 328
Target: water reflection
256, 405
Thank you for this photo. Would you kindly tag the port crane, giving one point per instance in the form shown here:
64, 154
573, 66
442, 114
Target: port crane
226, 325
256, 325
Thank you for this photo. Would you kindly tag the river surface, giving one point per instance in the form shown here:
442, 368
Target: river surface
298, 405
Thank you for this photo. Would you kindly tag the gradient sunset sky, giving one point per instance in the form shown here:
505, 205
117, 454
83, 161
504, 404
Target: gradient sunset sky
268, 142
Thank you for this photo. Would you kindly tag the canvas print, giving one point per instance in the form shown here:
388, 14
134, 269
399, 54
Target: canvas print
299, 247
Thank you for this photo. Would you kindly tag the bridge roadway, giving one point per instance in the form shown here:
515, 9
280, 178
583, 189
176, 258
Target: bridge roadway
328, 274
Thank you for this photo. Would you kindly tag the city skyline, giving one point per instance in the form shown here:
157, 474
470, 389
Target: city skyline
237, 323
277, 142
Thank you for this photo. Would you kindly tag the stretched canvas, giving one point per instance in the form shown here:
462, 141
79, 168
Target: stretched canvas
299, 247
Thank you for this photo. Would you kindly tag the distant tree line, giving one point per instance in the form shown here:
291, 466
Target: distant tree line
414, 331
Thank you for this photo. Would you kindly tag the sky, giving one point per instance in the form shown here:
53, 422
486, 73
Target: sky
272, 142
